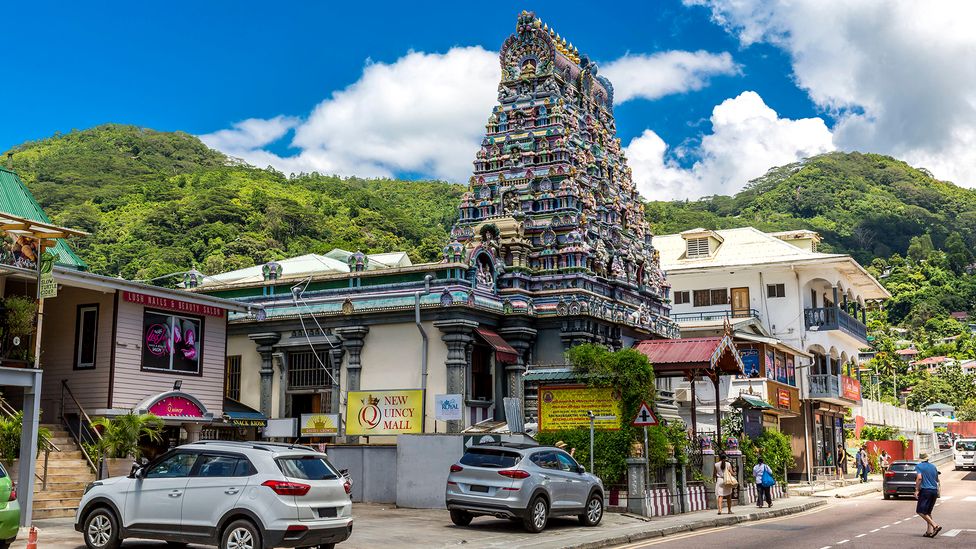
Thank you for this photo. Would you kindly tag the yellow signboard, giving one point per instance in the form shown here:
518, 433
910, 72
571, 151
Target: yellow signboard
567, 407
320, 425
370, 413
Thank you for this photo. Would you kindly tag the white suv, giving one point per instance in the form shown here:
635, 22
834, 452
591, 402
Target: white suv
237, 495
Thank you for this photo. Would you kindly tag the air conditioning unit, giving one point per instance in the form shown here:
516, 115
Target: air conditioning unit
682, 394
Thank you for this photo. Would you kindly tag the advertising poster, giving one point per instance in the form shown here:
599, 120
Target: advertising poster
790, 370
171, 343
18, 251
750, 361
780, 368
850, 388
566, 407
447, 407
319, 425
392, 412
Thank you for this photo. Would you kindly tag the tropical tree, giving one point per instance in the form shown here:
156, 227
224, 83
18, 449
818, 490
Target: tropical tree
121, 434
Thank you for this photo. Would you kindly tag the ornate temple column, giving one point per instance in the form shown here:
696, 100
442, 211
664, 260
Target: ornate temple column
457, 334
265, 342
352, 338
521, 338
335, 354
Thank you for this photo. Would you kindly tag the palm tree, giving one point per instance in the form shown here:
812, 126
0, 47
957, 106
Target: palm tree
121, 434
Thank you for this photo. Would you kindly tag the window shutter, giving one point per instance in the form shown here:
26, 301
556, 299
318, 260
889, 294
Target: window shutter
698, 247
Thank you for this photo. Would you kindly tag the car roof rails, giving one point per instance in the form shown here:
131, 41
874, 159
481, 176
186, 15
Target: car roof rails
257, 445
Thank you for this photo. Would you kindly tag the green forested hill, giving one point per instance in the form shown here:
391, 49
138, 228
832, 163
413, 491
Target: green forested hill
158, 203
867, 205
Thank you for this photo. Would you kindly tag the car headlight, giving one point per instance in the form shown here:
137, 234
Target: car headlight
92, 485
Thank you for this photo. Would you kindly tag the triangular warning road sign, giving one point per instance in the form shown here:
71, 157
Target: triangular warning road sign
645, 417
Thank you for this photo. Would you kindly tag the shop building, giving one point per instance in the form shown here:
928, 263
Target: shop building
799, 317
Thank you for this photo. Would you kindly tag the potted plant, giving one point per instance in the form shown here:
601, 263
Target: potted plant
119, 444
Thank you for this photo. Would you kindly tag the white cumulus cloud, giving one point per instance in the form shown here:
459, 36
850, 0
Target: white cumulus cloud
897, 76
655, 75
747, 139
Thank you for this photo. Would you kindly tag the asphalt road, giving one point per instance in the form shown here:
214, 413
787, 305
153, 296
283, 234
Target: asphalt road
864, 522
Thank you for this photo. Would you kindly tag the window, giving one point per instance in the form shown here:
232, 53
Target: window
546, 460
720, 297
482, 382
171, 342
492, 459
306, 371
966, 446
702, 298
307, 468
775, 290
566, 462
681, 298
223, 466
232, 377
177, 465
698, 247
86, 335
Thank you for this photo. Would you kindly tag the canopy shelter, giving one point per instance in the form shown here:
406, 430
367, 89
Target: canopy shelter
503, 351
43, 233
690, 358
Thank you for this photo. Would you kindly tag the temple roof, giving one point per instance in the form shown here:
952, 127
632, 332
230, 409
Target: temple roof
303, 266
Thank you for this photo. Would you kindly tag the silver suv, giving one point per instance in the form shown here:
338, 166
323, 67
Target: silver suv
517, 481
238, 495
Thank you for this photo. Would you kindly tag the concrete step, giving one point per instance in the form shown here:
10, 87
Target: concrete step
62, 455
74, 494
77, 477
61, 468
75, 486
60, 512
56, 503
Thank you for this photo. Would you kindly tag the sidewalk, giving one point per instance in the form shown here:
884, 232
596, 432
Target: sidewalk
851, 491
379, 526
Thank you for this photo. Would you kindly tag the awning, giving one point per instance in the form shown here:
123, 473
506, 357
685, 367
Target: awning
751, 402
175, 406
242, 415
503, 351
692, 356
551, 374
771, 341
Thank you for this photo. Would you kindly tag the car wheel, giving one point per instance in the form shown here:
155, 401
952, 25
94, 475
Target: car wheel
593, 513
536, 515
101, 530
887, 496
241, 534
460, 518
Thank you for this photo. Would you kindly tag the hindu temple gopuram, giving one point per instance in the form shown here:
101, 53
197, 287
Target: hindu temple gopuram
551, 249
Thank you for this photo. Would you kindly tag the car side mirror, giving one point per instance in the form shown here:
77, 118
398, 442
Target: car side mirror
580, 469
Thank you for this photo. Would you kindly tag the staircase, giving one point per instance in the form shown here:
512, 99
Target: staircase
67, 475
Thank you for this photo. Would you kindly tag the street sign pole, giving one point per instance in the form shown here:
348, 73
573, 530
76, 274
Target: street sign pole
647, 462
592, 418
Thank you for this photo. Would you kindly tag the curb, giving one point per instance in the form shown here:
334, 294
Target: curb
700, 524
852, 494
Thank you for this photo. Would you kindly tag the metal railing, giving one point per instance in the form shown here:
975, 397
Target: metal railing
824, 386
79, 425
834, 318
44, 443
703, 316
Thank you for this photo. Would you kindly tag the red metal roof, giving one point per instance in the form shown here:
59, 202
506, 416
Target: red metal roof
905, 352
503, 351
670, 351
932, 360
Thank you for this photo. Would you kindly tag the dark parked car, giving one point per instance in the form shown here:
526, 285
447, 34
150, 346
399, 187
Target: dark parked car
900, 479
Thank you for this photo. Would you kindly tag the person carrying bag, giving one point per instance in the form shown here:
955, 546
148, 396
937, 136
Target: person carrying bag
725, 482
764, 483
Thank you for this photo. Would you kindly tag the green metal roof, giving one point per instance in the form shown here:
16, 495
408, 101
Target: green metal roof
15, 199
750, 401
551, 374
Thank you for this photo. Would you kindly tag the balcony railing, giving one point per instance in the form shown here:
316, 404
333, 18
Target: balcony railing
714, 315
824, 386
835, 318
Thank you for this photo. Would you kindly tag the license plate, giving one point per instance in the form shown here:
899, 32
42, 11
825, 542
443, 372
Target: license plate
328, 512
476, 488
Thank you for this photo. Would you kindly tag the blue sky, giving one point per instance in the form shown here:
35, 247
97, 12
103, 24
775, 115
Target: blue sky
204, 67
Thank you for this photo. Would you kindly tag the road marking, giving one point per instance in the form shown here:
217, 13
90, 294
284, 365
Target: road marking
909, 518
955, 532
860, 535
886, 525
875, 530
843, 541
825, 547
969, 498
899, 522
943, 498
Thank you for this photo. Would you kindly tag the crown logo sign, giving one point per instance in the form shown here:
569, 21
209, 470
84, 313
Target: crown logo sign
371, 401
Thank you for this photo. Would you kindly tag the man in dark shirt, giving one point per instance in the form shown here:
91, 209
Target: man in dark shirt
926, 492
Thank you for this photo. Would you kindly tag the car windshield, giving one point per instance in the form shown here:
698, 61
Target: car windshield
966, 445
494, 459
307, 468
902, 466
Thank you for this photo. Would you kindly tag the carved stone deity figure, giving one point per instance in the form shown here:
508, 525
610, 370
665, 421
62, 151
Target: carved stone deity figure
485, 278
512, 203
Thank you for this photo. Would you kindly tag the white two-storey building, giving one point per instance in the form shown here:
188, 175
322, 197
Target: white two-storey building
798, 313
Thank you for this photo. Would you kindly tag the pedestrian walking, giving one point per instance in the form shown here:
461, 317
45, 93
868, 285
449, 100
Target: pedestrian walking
884, 461
857, 463
841, 460
764, 482
864, 462
725, 481
926, 492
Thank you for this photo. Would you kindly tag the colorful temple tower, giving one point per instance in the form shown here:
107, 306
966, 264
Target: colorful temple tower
551, 219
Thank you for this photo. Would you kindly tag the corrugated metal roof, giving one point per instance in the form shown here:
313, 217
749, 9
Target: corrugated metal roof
750, 401
503, 351
15, 199
553, 374
683, 351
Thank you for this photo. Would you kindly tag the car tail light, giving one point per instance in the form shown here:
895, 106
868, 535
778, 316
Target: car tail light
516, 473
456, 468
889, 474
297, 528
13, 493
347, 486
285, 488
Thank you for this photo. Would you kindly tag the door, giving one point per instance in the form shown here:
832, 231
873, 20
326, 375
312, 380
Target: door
154, 503
553, 478
577, 489
215, 486
740, 302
